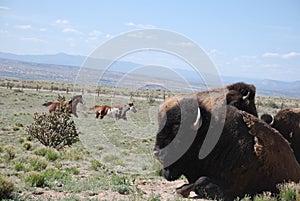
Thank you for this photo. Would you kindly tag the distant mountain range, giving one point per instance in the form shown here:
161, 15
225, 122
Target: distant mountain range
58, 59
64, 67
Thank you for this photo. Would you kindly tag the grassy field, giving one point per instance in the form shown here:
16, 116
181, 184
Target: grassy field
112, 161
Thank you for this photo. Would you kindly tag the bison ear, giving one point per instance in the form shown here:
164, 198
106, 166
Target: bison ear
268, 118
198, 123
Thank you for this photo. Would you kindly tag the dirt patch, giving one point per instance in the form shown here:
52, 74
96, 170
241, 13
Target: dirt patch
146, 189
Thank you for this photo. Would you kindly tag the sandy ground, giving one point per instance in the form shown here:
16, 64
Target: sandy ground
159, 189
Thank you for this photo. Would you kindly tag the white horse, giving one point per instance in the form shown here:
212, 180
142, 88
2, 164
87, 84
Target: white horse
117, 112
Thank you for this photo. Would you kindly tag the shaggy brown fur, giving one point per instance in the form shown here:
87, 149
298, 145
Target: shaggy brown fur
250, 156
287, 122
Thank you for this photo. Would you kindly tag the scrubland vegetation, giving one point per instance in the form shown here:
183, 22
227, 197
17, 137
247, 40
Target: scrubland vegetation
112, 160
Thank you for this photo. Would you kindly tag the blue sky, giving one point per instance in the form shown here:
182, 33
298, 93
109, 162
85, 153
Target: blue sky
257, 39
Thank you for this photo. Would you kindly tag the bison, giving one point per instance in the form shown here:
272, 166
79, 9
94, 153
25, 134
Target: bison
248, 157
287, 122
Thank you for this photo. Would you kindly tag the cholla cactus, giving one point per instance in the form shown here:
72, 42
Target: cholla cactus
56, 129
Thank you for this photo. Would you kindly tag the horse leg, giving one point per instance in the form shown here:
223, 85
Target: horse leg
52, 108
97, 114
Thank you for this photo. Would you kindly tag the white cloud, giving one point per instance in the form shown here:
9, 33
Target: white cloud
140, 26
95, 33
61, 22
141, 35
214, 52
4, 8
109, 36
291, 55
70, 30
24, 27
270, 55
281, 56
34, 40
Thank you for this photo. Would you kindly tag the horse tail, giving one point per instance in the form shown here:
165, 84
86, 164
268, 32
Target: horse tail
47, 104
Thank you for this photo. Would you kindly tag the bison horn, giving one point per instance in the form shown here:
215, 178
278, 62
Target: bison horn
197, 124
272, 120
247, 96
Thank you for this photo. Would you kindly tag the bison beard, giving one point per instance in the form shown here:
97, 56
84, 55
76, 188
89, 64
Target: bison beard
250, 156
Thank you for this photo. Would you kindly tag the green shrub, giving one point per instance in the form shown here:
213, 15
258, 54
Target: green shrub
41, 152
15, 128
19, 124
56, 129
121, 184
19, 166
95, 164
58, 165
72, 154
52, 175
27, 145
48, 153
119, 179
35, 179
73, 170
122, 189
154, 197
288, 194
21, 140
6, 188
38, 164
29, 138
9, 153
52, 155
289, 191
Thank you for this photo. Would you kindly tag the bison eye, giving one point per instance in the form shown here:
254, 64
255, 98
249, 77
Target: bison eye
244, 91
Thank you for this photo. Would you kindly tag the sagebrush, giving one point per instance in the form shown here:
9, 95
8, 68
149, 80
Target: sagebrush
56, 129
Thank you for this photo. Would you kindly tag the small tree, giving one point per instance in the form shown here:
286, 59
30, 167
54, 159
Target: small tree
56, 129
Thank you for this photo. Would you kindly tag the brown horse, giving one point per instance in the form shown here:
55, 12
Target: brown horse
118, 112
71, 104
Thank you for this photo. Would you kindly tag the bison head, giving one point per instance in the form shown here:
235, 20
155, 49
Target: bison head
242, 96
177, 117
185, 119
